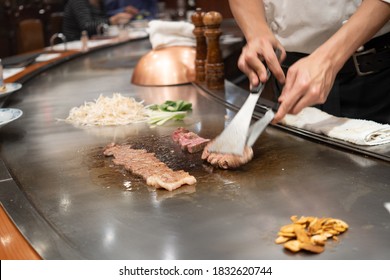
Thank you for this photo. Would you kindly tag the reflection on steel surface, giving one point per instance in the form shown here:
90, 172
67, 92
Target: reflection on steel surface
387, 206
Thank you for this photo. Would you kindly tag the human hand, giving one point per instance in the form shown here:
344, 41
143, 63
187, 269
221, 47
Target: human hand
308, 82
131, 10
254, 56
120, 18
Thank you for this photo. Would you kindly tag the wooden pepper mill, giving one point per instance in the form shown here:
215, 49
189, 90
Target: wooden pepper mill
201, 46
215, 69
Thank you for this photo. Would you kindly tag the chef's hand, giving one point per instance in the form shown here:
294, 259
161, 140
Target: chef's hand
308, 82
255, 54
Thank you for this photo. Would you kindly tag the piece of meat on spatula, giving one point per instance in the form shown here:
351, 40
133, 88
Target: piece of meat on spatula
227, 161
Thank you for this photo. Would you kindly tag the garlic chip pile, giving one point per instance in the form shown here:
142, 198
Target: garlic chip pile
117, 110
309, 233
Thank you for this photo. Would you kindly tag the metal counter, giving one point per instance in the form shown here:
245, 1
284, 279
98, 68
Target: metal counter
70, 202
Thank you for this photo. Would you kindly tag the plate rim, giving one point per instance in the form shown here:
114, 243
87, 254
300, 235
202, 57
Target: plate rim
19, 114
16, 86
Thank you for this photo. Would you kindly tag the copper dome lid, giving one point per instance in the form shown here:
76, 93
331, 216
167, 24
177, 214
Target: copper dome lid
166, 66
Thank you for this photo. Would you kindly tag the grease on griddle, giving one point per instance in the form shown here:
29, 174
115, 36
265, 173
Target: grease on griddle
169, 153
105, 174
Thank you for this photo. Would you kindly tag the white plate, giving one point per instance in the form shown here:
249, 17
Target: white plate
10, 88
8, 115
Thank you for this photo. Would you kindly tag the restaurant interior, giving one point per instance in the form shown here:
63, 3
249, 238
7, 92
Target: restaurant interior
19, 19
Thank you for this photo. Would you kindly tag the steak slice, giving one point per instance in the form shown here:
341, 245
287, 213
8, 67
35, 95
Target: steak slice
227, 161
189, 141
178, 133
156, 173
170, 180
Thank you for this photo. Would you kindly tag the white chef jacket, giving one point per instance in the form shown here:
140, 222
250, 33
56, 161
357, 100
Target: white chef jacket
303, 25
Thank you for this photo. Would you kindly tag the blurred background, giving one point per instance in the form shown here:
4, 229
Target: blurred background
43, 18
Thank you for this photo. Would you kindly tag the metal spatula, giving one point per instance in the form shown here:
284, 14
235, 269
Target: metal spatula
233, 138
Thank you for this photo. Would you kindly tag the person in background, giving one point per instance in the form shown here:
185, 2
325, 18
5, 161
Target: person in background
80, 15
335, 54
140, 9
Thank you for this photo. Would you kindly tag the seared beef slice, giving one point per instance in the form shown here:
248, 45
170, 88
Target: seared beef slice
189, 141
146, 165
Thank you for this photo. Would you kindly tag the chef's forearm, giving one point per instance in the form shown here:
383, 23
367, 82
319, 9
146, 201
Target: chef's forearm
250, 17
361, 27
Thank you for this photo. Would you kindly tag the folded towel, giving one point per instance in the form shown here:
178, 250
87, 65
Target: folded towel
171, 33
360, 132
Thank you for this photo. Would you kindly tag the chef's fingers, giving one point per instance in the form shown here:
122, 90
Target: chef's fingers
251, 65
273, 62
303, 102
253, 79
259, 68
291, 94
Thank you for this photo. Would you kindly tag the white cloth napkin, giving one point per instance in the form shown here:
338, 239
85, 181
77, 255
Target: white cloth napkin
171, 33
47, 56
360, 132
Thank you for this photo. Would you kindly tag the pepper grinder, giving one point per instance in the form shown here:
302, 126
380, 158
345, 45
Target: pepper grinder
215, 69
201, 46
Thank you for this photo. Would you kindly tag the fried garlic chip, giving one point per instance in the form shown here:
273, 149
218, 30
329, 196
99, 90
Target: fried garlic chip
309, 233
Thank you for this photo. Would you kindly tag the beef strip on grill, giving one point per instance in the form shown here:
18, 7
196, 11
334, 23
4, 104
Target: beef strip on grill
146, 165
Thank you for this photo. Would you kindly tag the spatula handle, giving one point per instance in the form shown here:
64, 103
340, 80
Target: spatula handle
261, 85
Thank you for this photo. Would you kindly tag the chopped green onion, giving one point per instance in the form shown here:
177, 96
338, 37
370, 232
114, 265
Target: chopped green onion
169, 110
